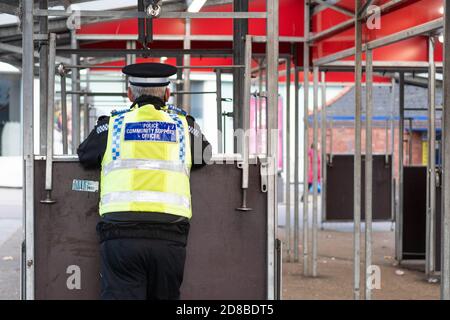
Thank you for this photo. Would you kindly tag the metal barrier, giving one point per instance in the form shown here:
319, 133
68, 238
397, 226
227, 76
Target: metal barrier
226, 253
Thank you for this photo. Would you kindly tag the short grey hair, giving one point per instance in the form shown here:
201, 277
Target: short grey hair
136, 91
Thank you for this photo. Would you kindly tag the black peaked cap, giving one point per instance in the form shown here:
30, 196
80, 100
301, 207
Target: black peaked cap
149, 70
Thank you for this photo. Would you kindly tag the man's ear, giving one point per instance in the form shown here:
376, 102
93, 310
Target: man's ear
130, 95
167, 95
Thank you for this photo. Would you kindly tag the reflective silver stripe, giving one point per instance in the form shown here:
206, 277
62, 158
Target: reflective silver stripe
146, 196
146, 164
148, 80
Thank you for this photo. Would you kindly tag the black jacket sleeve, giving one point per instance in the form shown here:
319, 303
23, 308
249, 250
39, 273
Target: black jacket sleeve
91, 151
201, 150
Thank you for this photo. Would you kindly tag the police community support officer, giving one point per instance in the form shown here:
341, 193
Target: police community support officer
145, 153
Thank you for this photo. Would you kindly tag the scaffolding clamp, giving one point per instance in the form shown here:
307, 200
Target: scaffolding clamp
264, 172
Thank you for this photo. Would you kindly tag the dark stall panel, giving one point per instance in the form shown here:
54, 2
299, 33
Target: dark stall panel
438, 229
65, 234
226, 256
414, 213
339, 188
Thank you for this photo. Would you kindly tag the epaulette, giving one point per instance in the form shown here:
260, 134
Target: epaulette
173, 109
118, 112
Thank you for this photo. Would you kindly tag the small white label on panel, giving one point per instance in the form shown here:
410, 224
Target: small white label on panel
85, 185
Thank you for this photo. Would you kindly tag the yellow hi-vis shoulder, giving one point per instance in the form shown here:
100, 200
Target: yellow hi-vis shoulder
147, 163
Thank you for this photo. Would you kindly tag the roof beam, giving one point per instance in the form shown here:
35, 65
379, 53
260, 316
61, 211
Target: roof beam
390, 39
18, 50
331, 5
350, 23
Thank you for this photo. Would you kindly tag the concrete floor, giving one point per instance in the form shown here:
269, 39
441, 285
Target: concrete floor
335, 267
10, 242
335, 264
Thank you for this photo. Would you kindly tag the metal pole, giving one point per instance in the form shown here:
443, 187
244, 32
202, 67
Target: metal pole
85, 115
331, 140
323, 143
445, 268
131, 58
43, 79
28, 144
386, 132
315, 171
86, 106
431, 165
179, 81
288, 158
393, 184
399, 218
64, 114
187, 62
357, 158
259, 106
369, 177
272, 51
410, 140
306, 139
219, 109
246, 122
75, 98
50, 121
240, 30
296, 160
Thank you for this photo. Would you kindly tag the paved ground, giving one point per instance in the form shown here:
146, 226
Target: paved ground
335, 267
10, 242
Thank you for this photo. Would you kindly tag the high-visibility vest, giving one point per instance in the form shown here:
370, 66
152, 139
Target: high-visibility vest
147, 163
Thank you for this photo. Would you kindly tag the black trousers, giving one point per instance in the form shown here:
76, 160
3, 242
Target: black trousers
141, 269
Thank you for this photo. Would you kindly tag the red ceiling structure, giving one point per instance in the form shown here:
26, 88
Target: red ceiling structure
399, 17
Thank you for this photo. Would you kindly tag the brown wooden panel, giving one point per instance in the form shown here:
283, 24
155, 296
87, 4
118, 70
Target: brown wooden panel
226, 255
339, 188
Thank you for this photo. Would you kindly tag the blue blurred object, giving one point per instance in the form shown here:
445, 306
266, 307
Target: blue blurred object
319, 188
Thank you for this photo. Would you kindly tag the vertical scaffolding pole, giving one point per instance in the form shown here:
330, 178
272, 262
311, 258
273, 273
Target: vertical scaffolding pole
431, 163
331, 140
445, 268
43, 79
187, 62
50, 115
245, 143
393, 148
296, 160
323, 144
410, 140
272, 137
288, 158
305, 138
240, 30
219, 109
179, 82
86, 106
315, 171
369, 167
28, 145
75, 97
64, 113
357, 158
401, 127
259, 106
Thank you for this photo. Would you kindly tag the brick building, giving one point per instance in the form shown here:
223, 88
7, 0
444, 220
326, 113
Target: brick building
340, 121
